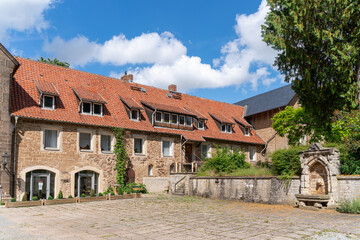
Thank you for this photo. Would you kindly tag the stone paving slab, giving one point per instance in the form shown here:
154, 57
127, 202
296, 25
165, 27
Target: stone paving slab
174, 217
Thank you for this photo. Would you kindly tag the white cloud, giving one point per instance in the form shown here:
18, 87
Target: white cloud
22, 15
147, 48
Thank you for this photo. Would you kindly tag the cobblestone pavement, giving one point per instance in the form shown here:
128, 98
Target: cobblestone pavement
173, 217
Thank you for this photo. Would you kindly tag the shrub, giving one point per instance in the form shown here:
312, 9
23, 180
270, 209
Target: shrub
50, 197
70, 196
106, 193
92, 193
13, 200
112, 193
83, 195
25, 197
60, 195
100, 195
35, 198
225, 161
349, 206
2, 203
286, 162
120, 191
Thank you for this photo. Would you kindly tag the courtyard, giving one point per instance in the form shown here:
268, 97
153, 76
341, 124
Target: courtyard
157, 216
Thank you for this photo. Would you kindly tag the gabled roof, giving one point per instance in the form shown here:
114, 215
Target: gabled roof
221, 118
25, 103
167, 108
46, 88
87, 95
131, 103
276, 98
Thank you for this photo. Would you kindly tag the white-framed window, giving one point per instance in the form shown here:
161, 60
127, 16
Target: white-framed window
48, 102
98, 109
174, 119
226, 128
51, 139
86, 107
150, 170
205, 150
252, 154
182, 120
166, 117
158, 117
106, 143
247, 131
139, 145
85, 140
188, 121
135, 114
167, 147
201, 124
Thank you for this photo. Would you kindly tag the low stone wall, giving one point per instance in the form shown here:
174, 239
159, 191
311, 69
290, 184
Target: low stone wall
156, 184
269, 190
348, 187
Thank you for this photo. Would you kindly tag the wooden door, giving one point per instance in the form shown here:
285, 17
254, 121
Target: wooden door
188, 152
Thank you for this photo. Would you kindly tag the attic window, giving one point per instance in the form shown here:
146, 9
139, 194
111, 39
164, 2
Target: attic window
134, 114
92, 108
201, 124
48, 102
188, 121
97, 109
86, 107
247, 131
226, 128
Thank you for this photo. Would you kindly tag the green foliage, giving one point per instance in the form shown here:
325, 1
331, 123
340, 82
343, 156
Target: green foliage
60, 195
83, 195
349, 206
252, 171
25, 197
50, 197
35, 198
319, 53
100, 195
70, 196
92, 193
13, 199
121, 156
286, 162
2, 203
54, 61
224, 161
120, 190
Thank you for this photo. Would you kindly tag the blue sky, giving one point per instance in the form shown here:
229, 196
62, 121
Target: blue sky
210, 49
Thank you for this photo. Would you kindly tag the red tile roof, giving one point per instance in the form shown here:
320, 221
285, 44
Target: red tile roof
88, 95
131, 103
243, 122
25, 102
168, 108
46, 88
221, 118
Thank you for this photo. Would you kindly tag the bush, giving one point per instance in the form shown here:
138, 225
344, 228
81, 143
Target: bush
120, 191
2, 203
106, 193
60, 195
112, 193
70, 196
225, 161
50, 197
92, 193
25, 197
83, 195
100, 195
349, 206
35, 198
13, 200
286, 162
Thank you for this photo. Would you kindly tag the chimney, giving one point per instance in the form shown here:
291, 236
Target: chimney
172, 87
127, 77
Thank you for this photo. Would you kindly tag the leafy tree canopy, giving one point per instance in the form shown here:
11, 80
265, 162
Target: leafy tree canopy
54, 61
319, 53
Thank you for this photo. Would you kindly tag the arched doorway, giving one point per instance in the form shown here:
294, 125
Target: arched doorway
40, 183
318, 179
130, 175
85, 182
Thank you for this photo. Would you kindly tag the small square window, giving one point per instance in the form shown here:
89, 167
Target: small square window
166, 117
97, 109
188, 121
174, 119
105, 143
228, 128
201, 124
138, 146
182, 120
134, 114
166, 149
247, 131
86, 107
49, 102
50, 139
158, 117
85, 141
223, 128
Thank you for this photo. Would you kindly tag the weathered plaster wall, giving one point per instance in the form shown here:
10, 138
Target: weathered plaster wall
269, 190
348, 187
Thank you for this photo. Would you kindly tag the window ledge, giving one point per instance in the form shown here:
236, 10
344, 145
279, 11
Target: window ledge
52, 149
139, 154
106, 152
47, 108
86, 151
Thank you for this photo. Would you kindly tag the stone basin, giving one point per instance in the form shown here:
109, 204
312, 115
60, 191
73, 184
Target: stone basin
311, 199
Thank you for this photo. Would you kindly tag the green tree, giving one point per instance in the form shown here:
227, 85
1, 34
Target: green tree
319, 53
54, 61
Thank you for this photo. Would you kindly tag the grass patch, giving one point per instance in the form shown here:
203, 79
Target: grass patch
349, 206
253, 171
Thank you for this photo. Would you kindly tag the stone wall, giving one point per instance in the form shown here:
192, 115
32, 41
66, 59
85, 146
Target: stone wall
157, 184
6, 70
348, 187
269, 190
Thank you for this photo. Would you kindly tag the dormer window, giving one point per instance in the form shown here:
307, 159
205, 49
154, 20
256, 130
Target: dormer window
134, 114
182, 120
201, 124
188, 121
48, 102
158, 117
247, 131
166, 118
92, 108
98, 109
86, 108
174, 119
226, 128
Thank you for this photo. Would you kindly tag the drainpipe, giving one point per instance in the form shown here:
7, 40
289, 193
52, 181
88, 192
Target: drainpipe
181, 145
14, 160
267, 142
153, 119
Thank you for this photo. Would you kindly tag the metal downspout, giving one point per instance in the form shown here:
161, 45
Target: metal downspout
14, 159
181, 145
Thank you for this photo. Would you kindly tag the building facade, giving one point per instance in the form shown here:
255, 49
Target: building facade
63, 121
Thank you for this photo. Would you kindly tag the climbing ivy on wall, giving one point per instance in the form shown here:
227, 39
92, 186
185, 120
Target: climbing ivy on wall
121, 156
